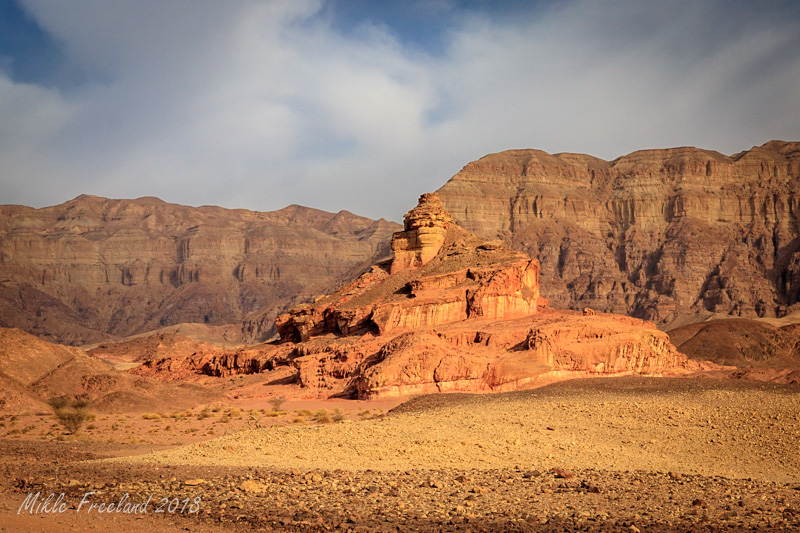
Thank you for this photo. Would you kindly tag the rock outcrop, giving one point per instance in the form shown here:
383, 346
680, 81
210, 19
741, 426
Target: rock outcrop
94, 269
439, 274
424, 235
740, 342
666, 235
467, 318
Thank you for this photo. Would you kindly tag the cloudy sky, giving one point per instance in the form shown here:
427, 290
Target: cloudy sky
363, 105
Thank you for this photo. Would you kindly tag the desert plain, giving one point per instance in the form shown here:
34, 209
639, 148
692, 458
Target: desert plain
602, 454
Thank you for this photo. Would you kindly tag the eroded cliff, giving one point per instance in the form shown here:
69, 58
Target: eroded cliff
665, 235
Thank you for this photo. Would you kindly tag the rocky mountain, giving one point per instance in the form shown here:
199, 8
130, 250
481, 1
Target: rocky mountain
671, 235
94, 269
449, 311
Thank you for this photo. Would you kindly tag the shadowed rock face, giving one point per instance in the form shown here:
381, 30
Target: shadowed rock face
469, 318
665, 235
94, 268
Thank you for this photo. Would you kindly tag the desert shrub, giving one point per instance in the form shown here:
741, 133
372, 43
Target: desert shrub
71, 413
276, 403
322, 417
205, 413
304, 412
59, 402
365, 413
235, 413
338, 415
151, 416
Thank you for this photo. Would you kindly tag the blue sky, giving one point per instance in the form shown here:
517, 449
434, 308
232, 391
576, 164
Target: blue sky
364, 105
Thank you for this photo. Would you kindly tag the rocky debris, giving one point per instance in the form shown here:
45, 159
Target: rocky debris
94, 269
665, 235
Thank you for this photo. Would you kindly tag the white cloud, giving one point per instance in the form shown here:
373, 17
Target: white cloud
261, 104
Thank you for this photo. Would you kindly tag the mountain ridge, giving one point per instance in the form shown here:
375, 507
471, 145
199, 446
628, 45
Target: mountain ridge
92, 269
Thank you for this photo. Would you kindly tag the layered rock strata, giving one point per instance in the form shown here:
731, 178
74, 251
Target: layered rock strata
468, 318
93, 269
666, 235
450, 277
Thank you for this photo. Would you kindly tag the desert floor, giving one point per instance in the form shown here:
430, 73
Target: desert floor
616, 454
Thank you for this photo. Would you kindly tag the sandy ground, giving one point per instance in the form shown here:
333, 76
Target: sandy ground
626, 454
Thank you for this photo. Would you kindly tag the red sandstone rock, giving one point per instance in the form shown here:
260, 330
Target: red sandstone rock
466, 319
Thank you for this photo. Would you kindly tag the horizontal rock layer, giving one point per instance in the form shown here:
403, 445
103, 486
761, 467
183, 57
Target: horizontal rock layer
472, 355
664, 235
92, 268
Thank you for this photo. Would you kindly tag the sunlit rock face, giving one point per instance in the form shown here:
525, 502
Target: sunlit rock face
424, 234
439, 274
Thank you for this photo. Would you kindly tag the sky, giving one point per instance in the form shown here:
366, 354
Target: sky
364, 105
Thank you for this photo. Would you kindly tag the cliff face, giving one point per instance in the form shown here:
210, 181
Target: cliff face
92, 268
664, 235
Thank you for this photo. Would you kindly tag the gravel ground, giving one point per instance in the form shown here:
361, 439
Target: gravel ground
659, 425
628, 454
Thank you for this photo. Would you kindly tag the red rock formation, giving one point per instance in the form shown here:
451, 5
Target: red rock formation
468, 318
666, 235
424, 235
92, 268
429, 282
